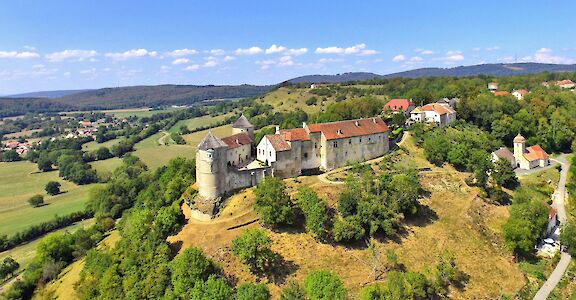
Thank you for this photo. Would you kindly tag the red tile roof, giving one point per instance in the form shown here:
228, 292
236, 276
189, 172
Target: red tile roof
296, 134
397, 104
438, 108
351, 128
237, 140
501, 93
278, 143
566, 81
522, 92
535, 153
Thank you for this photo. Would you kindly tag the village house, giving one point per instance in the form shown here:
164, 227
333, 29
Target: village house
566, 84
224, 165
439, 113
492, 86
504, 153
400, 105
519, 94
523, 158
20, 148
449, 101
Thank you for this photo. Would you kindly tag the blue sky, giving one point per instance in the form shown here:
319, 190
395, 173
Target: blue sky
61, 44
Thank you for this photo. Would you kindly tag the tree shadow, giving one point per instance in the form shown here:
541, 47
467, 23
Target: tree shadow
175, 247
280, 270
425, 216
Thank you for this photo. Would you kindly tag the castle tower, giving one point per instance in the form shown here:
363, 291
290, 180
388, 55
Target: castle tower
243, 125
519, 147
211, 167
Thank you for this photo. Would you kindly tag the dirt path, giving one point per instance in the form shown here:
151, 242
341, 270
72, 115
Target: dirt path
162, 139
559, 197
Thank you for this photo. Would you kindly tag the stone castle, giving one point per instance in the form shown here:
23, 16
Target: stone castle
231, 163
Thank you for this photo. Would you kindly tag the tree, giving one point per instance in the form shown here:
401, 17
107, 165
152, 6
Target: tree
188, 268
252, 291
55, 247
8, 267
211, 289
177, 138
103, 153
44, 164
314, 211
324, 285
10, 155
52, 188
568, 237
272, 203
253, 249
36, 200
503, 174
347, 229
526, 224
293, 291
406, 190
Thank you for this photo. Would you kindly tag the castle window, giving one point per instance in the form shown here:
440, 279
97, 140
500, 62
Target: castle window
270, 153
306, 155
335, 144
350, 142
360, 140
369, 139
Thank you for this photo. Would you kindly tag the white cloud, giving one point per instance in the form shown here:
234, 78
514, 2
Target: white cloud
285, 61
71, 54
210, 63
217, 52
359, 49
399, 57
416, 59
544, 55
67, 74
180, 61
453, 56
494, 48
296, 51
182, 52
20, 55
134, 53
192, 68
249, 51
426, 52
229, 58
275, 49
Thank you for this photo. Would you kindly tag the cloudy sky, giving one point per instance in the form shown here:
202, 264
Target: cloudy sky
50, 45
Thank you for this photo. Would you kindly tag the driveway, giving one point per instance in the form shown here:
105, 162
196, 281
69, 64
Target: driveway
558, 204
520, 172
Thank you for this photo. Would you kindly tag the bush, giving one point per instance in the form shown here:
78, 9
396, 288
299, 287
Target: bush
314, 211
8, 267
252, 291
322, 284
347, 230
293, 292
36, 200
311, 101
272, 203
253, 249
52, 188
568, 237
103, 153
188, 268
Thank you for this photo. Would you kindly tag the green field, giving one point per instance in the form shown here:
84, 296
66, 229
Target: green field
195, 138
25, 253
203, 121
92, 146
154, 155
21, 180
137, 112
106, 166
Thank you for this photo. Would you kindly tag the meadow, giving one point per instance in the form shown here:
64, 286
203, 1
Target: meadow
93, 146
199, 122
137, 112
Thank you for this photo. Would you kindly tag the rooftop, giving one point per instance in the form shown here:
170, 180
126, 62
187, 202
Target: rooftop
350, 128
237, 140
242, 122
296, 134
504, 153
535, 153
278, 143
211, 142
397, 104
438, 108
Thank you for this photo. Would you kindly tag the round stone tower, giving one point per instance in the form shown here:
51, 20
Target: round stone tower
211, 170
243, 125
519, 147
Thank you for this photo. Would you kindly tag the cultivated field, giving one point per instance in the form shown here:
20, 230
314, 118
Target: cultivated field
156, 155
195, 138
457, 221
21, 180
92, 146
199, 122
136, 112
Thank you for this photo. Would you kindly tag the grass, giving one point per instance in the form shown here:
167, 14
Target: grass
137, 112
458, 224
21, 180
288, 99
24, 254
195, 123
106, 166
195, 138
92, 146
154, 155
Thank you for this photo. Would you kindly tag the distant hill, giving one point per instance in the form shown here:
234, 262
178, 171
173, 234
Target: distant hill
461, 71
46, 94
345, 77
159, 95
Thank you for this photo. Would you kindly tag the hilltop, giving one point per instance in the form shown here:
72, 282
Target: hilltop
47, 94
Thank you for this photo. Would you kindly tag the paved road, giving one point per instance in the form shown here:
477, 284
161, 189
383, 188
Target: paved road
559, 197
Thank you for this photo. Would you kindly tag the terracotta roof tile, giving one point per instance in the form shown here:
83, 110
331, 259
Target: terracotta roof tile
351, 128
278, 143
397, 104
501, 93
296, 134
237, 140
438, 108
535, 153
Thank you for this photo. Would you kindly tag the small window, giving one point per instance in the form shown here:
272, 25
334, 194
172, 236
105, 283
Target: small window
360, 140
270, 153
369, 139
306, 155
350, 142
335, 144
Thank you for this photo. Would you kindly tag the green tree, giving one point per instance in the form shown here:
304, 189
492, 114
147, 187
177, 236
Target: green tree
406, 191
36, 200
44, 163
253, 248
314, 211
55, 247
347, 229
8, 267
324, 285
103, 153
211, 289
188, 268
10, 155
52, 188
503, 174
252, 291
526, 224
293, 291
272, 203
568, 237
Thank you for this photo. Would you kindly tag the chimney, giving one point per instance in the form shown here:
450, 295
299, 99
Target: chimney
303, 124
277, 129
374, 120
357, 124
237, 141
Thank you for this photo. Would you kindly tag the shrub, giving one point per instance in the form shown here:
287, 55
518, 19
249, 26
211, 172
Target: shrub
52, 188
322, 284
253, 249
36, 200
347, 230
252, 291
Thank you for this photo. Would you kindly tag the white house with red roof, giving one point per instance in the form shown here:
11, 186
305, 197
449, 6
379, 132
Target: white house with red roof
400, 105
566, 84
531, 157
519, 94
439, 113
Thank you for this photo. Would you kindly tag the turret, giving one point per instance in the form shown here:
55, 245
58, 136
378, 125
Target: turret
243, 125
211, 167
519, 147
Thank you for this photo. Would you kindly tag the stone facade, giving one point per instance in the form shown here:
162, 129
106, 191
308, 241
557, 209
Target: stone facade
531, 157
